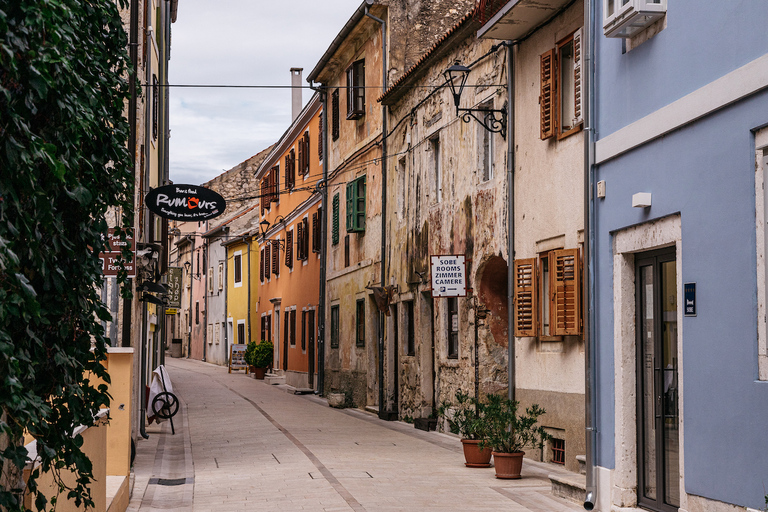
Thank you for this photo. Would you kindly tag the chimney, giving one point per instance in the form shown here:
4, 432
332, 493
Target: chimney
296, 89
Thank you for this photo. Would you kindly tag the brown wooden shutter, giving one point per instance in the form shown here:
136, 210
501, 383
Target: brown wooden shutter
305, 238
261, 266
299, 240
267, 259
316, 231
566, 293
335, 114
276, 184
320, 137
525, 302
276, 258
305, 168
289, 249
547, 97
302, 154
578, 99
289, 178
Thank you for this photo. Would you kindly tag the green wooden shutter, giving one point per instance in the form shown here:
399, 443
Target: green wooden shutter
335, 227
360, 210
351, 202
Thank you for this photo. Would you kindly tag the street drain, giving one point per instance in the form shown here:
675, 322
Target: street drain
170, 481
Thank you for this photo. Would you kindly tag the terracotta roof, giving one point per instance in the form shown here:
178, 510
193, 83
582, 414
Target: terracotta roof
213, 230
465, 20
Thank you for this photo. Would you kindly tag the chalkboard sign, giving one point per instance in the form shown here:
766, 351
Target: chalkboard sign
237, 358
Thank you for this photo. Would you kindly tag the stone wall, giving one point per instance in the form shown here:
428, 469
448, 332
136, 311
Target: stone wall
238, 185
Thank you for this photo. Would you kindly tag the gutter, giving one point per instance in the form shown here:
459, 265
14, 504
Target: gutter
345, 31
382, 317
511, 377
590, 402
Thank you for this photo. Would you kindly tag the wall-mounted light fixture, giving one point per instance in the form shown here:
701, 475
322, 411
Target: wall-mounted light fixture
493, 120
188, 268
264, 228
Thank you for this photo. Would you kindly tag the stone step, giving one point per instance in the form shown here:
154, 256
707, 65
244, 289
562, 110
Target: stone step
582, 464
571, 486
274, 379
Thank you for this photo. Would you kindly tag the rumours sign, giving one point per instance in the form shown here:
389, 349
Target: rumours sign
185, 202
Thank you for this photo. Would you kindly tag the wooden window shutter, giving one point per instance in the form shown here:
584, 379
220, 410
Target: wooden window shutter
335, 221
275, 258
566, 293
302, 155
320, 137
289, 249
316, 231
264, 196
351, 202
267, 259
525, 302
305, 168
299, 240
547, 97
276, 184
261, 266
289, 178
578, 90
335, 114
305, 238
360, 206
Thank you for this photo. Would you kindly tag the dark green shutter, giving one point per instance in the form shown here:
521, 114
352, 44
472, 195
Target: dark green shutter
351, 203
360, 211
335, 227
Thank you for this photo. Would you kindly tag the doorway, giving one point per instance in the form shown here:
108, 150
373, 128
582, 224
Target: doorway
658, 433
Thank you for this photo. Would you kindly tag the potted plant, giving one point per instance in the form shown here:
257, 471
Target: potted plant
508, 433
259, 357
466, 418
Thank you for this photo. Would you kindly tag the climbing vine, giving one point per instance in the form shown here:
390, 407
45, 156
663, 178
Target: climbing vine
63, 164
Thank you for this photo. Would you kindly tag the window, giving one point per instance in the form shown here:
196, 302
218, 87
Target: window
316, 230
303, 331
453, 327
356, 205
266, 328
346, 251
558, 450
210, 280
237, 263
356, 90
558, 310
221, 276
289, 249
335, 326
293, 327
197, 312
335, 220
360, 323
486, 148
290, 174
241, 332
261, 265
626, 18
410, 340
335, 114
437, 167
304, 143
267, 260
561, 89
302, 239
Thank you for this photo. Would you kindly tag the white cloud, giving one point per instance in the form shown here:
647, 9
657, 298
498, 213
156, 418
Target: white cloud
240, 42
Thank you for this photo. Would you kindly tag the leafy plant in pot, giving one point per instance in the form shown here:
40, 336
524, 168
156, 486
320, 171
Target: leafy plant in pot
509, 432
259, 357
466, 418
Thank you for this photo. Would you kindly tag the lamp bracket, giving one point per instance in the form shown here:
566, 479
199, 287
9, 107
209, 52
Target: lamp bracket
493, 120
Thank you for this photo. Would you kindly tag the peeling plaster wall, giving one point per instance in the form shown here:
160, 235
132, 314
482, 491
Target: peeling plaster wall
469, 218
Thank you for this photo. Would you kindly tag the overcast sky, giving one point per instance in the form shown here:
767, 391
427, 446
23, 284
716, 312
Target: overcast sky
240, 42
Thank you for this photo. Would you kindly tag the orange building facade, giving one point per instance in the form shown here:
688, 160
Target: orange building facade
289, 248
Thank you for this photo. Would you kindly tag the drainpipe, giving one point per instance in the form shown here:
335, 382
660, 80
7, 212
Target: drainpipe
133, 50
382, 317
191, 295
511, 49
322, 187
143, 370
226, 304
248, 253
590, 402
205, 295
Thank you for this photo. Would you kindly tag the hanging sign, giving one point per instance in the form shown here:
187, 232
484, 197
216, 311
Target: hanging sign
449, 276
185, 202
174, 287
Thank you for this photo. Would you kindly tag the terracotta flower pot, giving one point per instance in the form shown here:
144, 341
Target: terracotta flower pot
258, 373
474, 456
508, 465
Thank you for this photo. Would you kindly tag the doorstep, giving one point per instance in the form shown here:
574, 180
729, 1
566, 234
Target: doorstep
571, 486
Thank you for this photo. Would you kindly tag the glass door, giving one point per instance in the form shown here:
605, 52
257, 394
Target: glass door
657, 405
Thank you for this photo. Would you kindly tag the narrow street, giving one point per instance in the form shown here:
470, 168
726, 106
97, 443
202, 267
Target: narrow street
241, 444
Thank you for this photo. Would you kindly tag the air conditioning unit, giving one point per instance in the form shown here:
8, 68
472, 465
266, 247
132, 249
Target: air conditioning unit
625, 18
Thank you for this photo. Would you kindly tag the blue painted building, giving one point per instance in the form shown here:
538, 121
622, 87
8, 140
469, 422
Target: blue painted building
681, 399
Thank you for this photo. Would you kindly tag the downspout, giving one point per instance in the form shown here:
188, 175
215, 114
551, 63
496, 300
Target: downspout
143, 371
205, 295
224, 286
133, 50
590, 402
248, 255
511, 49
382, 317
191, 295
166, 92
322, 186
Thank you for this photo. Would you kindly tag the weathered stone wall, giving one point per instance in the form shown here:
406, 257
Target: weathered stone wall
238, 185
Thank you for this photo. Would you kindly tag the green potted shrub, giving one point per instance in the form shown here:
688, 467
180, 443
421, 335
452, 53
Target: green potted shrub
259, 357
466, 417
509, 432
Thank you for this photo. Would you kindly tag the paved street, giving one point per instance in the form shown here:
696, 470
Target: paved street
241, 444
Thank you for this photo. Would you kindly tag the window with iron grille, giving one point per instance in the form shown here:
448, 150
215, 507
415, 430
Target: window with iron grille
558, 450
335, 114
356, 90
360, 322
335, 220
335, 326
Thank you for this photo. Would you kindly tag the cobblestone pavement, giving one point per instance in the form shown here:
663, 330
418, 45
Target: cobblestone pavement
241, 444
